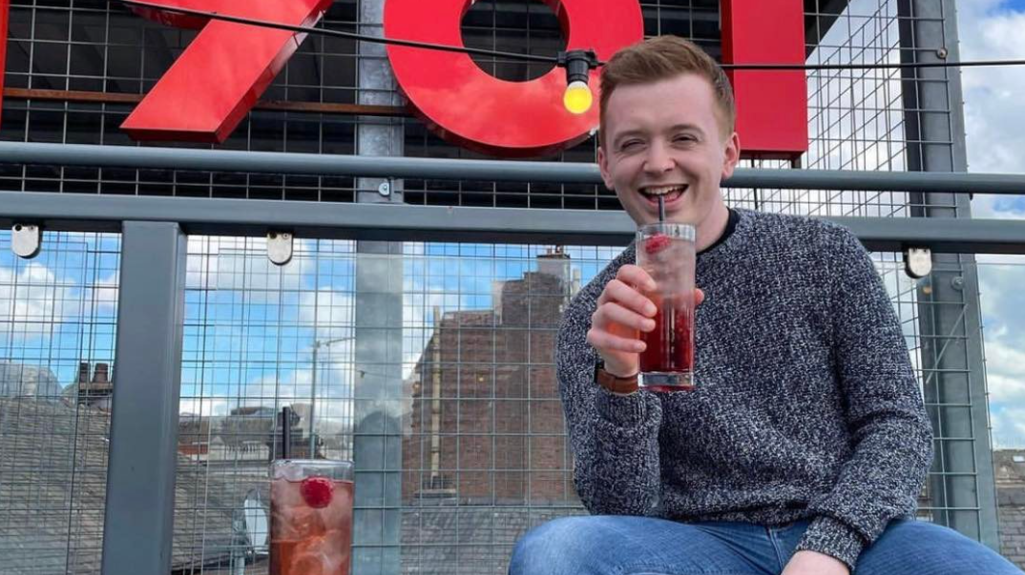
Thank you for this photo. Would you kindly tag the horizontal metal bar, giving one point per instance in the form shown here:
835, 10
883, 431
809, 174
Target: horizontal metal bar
278, 105
403, 222
481, 170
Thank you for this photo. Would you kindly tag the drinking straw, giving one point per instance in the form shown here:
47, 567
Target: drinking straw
286, 432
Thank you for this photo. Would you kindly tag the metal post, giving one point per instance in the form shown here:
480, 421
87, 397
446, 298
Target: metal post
139, 519
962, 486
313, 401
377, 437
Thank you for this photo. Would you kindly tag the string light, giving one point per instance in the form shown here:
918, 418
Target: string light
576, 95
578, 63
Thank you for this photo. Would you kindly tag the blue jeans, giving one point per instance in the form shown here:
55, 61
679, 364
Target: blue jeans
610, 545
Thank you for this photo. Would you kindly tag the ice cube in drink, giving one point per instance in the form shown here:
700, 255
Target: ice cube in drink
311, 522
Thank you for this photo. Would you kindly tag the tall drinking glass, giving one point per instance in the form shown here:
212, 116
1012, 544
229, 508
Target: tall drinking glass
311, 517
666, 251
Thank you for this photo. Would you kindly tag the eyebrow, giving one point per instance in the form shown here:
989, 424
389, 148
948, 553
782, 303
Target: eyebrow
681, 127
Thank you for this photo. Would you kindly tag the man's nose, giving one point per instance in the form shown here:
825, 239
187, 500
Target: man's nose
658, 160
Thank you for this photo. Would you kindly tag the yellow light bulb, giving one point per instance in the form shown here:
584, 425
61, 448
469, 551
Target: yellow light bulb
578, 97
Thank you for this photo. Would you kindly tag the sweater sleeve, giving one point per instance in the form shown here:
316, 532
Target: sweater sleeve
891, 437
614, 438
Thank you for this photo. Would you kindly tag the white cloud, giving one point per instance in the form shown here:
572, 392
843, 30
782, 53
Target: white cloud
203, 407
103, 294
331, 313
32, 300
1008, 428
995, 127
1006, 388
241, 264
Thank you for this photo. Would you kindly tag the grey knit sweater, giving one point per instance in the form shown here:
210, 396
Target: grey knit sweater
806, 406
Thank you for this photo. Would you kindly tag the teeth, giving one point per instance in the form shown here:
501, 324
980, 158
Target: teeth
662, 190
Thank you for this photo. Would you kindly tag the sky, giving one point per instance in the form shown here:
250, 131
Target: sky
995, 126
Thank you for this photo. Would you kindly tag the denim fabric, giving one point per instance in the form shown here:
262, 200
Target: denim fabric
622, 545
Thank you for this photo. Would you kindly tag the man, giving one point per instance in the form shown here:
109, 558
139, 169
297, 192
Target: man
805, 443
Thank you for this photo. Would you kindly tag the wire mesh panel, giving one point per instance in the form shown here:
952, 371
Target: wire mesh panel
468, 422
1003, 304
855, 117
481, 430
80, 59
57, 329
258, 337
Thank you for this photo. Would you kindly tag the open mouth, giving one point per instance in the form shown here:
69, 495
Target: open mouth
669, 193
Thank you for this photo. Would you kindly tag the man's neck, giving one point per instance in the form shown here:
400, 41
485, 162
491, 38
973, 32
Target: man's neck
713, 226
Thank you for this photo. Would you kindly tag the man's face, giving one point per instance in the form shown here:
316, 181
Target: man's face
666, 138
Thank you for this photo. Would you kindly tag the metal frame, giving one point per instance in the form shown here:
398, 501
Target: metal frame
388, 167
139, 518
377, 448
152, 267
153, 229
962, 485
400, 222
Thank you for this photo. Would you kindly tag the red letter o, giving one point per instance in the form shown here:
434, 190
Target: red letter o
471, 108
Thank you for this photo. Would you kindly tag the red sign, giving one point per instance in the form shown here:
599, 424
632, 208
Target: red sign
772, 108
219, 77
222, 73
471, 108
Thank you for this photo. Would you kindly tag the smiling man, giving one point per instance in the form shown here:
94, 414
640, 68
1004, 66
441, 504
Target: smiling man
805, 443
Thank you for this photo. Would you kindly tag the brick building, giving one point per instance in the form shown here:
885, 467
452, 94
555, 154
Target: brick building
486, 424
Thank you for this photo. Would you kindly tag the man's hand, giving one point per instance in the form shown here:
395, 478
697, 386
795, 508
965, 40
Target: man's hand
623, 311
814, 563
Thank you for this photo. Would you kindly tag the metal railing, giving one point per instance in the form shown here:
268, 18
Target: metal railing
144, 443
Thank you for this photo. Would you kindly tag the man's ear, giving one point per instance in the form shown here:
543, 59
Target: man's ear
731, 155
603, 167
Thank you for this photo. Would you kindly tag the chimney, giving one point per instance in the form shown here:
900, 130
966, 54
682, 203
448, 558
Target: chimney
101, 379
97, 392
555, 262
83, 373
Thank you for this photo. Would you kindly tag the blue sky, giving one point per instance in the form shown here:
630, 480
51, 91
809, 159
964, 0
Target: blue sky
995, 125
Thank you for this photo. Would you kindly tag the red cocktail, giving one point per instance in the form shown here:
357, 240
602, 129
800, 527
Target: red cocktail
666, 252
311, 517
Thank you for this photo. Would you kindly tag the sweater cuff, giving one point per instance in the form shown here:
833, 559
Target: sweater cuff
621, 410
831, 537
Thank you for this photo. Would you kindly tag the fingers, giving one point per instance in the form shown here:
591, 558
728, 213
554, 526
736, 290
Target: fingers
605, 341
636, 277
613, 314
625, 295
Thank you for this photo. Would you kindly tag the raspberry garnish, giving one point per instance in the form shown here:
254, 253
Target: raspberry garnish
316, 491
656, 243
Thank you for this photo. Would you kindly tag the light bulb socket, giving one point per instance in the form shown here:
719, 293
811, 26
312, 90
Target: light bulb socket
578, 64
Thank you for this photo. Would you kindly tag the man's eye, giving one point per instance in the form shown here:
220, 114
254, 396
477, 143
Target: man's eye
630, 145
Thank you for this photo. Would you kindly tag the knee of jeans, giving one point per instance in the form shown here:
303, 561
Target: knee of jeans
549, 547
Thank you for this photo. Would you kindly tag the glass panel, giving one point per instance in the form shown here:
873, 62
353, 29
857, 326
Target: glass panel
57, 329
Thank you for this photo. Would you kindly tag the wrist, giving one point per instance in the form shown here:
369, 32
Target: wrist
614, 382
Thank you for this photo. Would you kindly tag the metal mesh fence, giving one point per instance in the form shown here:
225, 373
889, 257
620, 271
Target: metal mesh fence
856, 117
57, 327
471, 414
483, 453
